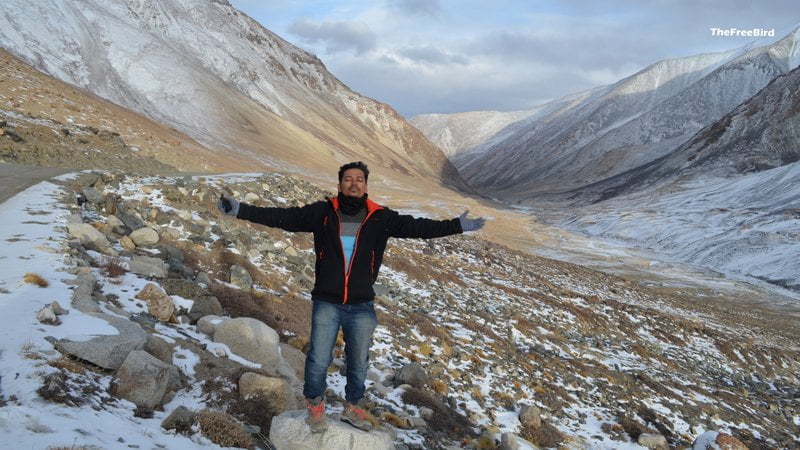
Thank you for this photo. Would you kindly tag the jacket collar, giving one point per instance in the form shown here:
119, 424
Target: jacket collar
371, 206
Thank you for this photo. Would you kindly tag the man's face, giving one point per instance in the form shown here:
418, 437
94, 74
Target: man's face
353, 183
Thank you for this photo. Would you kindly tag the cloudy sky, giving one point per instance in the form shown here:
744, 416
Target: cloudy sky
444, 56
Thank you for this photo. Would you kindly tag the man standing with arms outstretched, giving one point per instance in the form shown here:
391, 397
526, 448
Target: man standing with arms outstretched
350, 235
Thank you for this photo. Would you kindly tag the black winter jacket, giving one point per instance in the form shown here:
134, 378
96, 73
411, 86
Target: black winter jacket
332, 284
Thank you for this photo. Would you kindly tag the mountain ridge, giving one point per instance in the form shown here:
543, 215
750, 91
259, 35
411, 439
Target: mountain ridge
243, 89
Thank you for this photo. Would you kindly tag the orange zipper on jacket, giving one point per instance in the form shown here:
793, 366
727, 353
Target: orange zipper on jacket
355, 250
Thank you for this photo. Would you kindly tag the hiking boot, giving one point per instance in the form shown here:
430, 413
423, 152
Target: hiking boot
316, 418
356, 416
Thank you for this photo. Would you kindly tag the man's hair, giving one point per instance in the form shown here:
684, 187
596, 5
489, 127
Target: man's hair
354, 165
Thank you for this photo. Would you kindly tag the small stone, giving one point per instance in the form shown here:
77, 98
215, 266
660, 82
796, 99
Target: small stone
127, 243
46, 315
144, 237
57, 309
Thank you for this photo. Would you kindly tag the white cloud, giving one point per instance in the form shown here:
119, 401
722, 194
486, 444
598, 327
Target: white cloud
336, 36
425, 56
417, 7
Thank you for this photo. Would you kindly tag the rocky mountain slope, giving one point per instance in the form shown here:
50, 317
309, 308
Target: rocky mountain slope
630, 123
475, 341
727, 199
699, 169
206, 69
50, 123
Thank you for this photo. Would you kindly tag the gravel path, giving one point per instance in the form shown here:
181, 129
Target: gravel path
15, 178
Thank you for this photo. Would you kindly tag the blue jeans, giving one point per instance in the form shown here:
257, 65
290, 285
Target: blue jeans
357, 322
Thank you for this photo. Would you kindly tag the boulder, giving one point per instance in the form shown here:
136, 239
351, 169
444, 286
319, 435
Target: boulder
204, 306
88, 235
131, 221
148, 267
412, 374
530, 416
655, 441
127, 243
107, 351
92, 195
717, 440
276, 390
204, 303
159, 304
46, 315
241, 278
510, 441
289, 431
158, 348
143, 379
203, 278
144, 237
181, 420
251, 339
295, 358
82, 294
116, 225
57, 309
207, 324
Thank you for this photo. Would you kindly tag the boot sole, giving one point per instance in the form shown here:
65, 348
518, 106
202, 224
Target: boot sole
349, 422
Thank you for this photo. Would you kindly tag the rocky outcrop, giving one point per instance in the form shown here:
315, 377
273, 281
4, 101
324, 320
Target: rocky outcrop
289, 431
143, 379
159, 304
250, 339
107, 351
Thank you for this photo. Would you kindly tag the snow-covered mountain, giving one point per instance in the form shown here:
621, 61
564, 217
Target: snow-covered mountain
760, 134
212, 72
465, 136
630, 123
728, 199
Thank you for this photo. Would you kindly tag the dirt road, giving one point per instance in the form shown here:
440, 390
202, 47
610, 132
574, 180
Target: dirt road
15, 178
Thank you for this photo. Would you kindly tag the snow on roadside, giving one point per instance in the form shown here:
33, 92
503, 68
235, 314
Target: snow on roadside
33, 233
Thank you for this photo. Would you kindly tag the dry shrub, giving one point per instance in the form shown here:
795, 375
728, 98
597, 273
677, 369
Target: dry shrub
444, 419
421, 269
425, 349
255, 410
224, 430
224, 394
439, 387
429, 327
395, 420
55, 388
67, 364
219, 260
33, 278
631, 426
115, 269
544, 436
71, 447
292, 314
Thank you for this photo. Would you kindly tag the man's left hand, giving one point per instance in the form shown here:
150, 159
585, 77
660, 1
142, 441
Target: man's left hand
471, 224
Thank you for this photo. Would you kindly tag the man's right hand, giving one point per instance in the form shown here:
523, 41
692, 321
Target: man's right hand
228, 205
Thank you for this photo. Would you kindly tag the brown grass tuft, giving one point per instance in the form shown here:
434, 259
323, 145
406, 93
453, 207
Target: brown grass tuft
36, 279
545, 436
70, 447
115, 269
67, 364
290, 313
444, 418
224, 430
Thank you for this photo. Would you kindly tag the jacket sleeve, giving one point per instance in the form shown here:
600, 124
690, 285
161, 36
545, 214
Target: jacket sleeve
296, 218
405, 226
